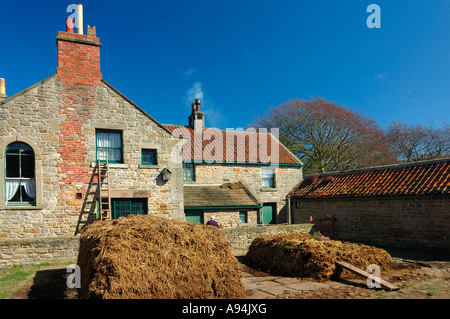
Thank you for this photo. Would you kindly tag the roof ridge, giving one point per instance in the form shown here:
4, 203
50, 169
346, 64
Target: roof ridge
12, 97
388, 166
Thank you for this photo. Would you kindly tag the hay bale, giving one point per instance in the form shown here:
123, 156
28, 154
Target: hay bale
153, 257
301, 255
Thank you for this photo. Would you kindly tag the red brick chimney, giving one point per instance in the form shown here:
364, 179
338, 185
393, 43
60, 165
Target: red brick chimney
78, 57
79, 73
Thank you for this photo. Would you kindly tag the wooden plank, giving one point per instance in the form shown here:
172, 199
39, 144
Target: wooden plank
383, 283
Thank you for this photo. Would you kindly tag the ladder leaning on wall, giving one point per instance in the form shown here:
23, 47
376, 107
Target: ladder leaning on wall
104, 195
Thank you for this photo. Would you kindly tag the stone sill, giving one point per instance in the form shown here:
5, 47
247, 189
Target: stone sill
149, 166
113, 165
274, 190
21, 207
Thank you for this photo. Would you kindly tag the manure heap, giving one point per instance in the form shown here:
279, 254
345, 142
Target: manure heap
144, 256
301, 255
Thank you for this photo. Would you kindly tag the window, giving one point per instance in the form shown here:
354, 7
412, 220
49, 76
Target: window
243, 219
109, 142
149, 157
188, 172
20, 185
268, 179
123, 207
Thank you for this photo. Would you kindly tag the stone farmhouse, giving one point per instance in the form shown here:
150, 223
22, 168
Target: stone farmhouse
241, 178
404, 205
66, 137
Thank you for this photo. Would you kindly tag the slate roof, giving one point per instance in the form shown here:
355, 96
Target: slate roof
244, 143
218, 196
411, 179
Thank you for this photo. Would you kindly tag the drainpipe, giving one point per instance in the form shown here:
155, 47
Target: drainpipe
289, 213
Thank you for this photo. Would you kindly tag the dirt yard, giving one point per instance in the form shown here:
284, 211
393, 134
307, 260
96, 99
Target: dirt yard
417, 279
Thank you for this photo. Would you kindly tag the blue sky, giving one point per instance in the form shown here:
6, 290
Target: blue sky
242, 57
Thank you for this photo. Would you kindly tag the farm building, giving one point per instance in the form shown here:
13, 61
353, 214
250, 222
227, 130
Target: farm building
242, 178
74, 149
405, 205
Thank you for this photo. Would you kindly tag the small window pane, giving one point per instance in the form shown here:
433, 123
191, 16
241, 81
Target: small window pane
243, 217
149, 157
27, 166
12, 166
188, 172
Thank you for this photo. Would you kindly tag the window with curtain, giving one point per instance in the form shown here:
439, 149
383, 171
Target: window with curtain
268, 179
20, 184
109, 142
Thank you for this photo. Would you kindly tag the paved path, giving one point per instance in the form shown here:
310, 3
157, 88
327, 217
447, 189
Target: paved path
264, 287
260, 285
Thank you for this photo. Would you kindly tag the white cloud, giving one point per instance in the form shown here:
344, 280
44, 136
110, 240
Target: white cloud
213, 115
195, 92
189, 72
379, 76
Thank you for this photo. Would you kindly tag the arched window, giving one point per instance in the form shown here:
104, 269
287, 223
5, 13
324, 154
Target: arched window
20, 183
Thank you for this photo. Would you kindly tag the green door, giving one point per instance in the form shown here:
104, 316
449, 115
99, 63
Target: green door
269, 214
194, 216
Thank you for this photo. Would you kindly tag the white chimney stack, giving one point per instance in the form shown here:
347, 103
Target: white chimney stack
2, 90
79, 18
2, 87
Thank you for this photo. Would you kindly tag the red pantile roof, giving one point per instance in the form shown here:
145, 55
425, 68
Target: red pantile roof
412, 179
220, 146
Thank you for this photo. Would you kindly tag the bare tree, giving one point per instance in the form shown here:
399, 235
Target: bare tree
417, 142
326, 136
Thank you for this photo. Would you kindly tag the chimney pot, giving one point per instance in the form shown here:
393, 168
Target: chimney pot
69, 25
197, 103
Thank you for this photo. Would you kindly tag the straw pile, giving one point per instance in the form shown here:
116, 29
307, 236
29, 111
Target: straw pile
152, 257
300, 255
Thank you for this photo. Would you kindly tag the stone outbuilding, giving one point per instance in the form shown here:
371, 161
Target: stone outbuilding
404, 205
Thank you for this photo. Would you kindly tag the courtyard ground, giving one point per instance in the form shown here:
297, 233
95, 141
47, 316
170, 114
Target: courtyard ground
419, 276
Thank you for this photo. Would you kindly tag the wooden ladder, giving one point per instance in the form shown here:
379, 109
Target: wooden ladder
104, 194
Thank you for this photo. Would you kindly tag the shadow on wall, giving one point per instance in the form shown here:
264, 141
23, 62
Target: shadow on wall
88, 212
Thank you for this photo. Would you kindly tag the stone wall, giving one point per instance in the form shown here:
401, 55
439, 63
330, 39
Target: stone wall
250, 175
409, 223
230, 217
242, 237
24, 252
